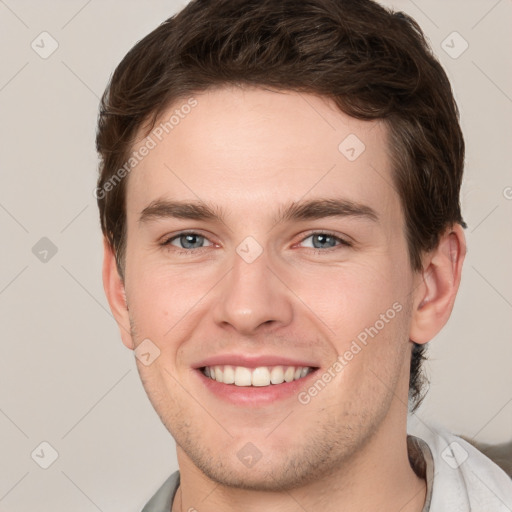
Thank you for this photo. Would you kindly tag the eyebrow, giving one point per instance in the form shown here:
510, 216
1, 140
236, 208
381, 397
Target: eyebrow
301, 210
321, 208
161, 209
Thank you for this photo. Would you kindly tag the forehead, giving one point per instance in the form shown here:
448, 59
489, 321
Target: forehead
239, 147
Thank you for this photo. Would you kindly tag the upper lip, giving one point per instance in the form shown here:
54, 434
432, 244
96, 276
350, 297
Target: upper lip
254, 361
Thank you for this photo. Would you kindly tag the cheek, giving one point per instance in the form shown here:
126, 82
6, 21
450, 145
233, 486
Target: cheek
163, 298
371, 351
365, 309
350, 298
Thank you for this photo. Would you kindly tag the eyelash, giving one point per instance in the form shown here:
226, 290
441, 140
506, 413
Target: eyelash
167, 242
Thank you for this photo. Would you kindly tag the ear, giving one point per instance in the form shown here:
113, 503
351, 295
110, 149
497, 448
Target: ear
437, 285
115, 292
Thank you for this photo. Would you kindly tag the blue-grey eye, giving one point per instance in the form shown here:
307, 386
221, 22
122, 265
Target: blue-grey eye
323, 240
188, 241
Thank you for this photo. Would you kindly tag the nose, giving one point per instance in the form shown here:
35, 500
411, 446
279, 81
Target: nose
252, 298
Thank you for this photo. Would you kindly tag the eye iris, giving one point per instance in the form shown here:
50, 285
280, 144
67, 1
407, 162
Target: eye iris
323, 239
194, 241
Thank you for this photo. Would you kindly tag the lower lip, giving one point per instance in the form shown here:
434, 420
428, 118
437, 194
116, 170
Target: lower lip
255, 395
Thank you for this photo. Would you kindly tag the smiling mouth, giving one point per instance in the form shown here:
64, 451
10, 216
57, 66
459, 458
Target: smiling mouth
256, 377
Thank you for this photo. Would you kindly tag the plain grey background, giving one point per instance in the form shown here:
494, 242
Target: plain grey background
65, 377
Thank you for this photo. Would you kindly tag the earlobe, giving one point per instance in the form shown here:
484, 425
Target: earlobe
438, 285
116, 294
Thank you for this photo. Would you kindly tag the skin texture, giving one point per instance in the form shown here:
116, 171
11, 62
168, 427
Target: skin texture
249, 152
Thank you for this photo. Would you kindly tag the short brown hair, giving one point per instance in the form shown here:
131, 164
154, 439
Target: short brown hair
373, 62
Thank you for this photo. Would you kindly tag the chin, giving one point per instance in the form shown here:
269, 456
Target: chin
289, 468
276, 477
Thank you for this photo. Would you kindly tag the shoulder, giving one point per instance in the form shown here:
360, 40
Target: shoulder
464, 479
162, 500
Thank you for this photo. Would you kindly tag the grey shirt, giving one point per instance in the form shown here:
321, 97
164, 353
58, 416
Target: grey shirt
162, 500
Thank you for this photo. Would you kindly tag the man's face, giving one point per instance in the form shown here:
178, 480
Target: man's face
256, 288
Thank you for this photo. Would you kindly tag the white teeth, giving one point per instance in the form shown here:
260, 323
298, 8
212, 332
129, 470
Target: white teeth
229, 375
277, 375
289, 374
242, 376
258, 377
